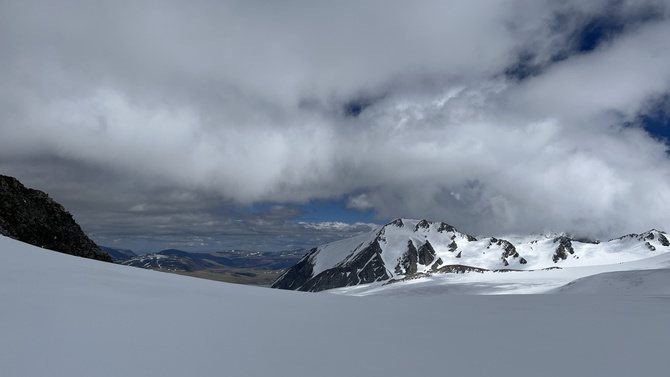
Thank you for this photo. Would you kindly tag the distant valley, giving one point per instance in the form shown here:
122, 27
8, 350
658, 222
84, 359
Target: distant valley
232, 266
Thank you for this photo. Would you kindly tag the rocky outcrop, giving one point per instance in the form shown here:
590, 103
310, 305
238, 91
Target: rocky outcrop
426, 254
460, 269
508, 250
564, 247
31, 216
663, 240
407, 264
297, 276
366, 267
414, 257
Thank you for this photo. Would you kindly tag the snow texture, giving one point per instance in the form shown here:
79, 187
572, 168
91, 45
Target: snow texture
67, 316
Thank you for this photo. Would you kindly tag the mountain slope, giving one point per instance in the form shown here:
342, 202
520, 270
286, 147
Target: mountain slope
33, 217
406, 249
648, 282
67, 316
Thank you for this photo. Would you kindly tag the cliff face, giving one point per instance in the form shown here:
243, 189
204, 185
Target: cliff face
31, 216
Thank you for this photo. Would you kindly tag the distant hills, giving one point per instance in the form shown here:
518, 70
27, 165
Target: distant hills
235, 266
31, 216
408, 249
118, 254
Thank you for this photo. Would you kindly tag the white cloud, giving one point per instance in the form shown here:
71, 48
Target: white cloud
243, 102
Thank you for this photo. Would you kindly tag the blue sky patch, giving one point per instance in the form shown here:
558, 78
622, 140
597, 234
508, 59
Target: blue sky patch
333, 210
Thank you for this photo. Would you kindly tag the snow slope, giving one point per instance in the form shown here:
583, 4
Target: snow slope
492, 283
537, 250
645, 282
66, 316
411, 248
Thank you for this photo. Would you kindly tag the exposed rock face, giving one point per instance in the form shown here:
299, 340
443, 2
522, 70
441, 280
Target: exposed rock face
460, 269
423, 224
407, 265
453, 246
366, 267
410, 249
508, 250
426, 254
375, 258
410, 260
444, 227
437, 264
663, 240
296, 277
31, 216
564, 247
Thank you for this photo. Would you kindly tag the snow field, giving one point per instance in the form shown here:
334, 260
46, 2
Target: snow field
67, 316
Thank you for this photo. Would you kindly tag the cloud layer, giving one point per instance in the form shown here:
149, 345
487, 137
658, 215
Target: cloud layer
517, 116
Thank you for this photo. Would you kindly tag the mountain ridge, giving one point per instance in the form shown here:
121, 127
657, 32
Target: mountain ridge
408, 248
31, 216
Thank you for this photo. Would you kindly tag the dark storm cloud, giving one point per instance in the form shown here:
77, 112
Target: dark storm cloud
149, 217
157, 118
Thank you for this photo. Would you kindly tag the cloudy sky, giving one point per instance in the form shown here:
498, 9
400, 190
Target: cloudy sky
276, 125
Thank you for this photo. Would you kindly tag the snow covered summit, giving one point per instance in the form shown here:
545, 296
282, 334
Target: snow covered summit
406, 248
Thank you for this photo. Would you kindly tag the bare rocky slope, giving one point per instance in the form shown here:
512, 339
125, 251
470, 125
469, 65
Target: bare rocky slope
408, 249
31, 216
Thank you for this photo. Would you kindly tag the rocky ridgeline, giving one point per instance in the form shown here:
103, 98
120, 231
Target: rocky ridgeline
31, 216
406, 249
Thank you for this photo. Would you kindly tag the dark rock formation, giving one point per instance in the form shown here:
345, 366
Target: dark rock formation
31, 216
586, 240
459, 269
423, 224
296, 277
453, 246
407, 264
564, 247
366, 267
444, 227
397, 222
509, 250
426, 254
647, 236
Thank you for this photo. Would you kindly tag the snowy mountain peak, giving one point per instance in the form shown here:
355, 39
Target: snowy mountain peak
407, 248
647, 236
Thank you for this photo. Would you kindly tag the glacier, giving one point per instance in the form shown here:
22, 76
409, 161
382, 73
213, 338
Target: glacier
67, 316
